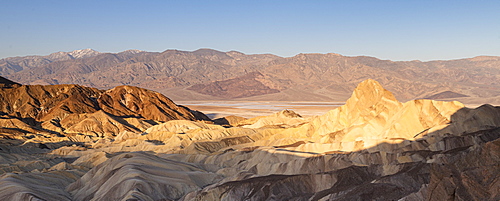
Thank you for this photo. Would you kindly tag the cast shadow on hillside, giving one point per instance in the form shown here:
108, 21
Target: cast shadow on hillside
14, 146
439, 165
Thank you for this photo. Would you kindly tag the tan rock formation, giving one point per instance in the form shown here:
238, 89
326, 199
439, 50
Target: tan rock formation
101, 124
140, 176
373, 114
229, 120
285, 119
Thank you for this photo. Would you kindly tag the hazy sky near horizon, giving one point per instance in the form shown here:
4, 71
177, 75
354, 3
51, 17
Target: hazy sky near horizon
396, 30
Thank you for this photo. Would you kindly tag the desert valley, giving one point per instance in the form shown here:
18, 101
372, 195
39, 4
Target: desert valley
211, 125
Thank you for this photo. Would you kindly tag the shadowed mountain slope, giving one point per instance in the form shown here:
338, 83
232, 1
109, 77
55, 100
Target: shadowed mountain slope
446, 95
5, 83
251, 84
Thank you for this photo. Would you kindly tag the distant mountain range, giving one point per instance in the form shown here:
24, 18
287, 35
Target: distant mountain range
207, 74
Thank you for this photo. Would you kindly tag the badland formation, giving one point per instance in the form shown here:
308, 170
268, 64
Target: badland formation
100, 140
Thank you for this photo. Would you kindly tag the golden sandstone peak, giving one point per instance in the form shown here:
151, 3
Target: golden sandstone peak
372, 90
369, 99
372, 114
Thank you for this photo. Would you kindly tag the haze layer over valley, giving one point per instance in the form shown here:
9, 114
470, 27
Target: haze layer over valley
207, 74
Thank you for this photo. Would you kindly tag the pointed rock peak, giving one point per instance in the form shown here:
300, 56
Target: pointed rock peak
369, 84
83, 53
88, 50
288, 113
369, 92
127, 89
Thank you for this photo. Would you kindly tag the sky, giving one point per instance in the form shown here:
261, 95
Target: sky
395, 30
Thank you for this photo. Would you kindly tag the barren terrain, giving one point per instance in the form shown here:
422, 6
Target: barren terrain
69, 142
248, 109
207, 74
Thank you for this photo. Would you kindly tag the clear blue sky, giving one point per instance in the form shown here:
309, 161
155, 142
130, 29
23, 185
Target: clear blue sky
396, 30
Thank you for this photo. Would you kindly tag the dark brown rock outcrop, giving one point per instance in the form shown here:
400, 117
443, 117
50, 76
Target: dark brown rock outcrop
55, 108
6, 83
135, 101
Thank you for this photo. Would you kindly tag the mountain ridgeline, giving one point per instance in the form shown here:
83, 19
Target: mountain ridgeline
207, 74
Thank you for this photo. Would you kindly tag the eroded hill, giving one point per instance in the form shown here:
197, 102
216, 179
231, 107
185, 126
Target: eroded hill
77, 110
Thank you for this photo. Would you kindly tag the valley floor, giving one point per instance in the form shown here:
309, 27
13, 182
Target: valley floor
249, 109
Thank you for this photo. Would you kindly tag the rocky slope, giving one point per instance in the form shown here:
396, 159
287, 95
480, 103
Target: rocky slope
372, 148
79, 110
211, 75
251, 84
